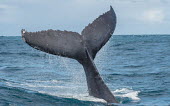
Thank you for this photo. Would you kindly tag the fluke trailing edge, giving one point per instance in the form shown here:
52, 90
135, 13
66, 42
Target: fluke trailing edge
82, 47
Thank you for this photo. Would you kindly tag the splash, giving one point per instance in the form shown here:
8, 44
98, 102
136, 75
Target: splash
129, 93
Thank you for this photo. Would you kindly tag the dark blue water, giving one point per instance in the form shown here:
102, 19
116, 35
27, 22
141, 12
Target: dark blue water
135, 68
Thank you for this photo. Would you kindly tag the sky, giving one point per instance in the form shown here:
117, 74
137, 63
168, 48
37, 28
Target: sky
133, 16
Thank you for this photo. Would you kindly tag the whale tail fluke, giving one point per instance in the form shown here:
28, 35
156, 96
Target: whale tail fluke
56, 42
99, 31
72, 44
82, 47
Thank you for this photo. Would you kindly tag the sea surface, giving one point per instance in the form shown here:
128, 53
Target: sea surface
135, 68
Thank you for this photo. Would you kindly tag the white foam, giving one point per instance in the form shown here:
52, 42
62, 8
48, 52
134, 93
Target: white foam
23, 31
125, 92
73, 91
84, 97
76, 90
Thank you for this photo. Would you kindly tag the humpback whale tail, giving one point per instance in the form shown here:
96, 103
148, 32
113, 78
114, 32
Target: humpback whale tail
82, 47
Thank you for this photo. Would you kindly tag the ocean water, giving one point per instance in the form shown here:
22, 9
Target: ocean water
135, 68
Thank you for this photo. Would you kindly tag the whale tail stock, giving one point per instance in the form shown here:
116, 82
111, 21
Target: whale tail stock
96, 85
82, 47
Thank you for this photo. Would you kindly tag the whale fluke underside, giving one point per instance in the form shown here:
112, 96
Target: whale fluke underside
99, 31
62, 43
82, 47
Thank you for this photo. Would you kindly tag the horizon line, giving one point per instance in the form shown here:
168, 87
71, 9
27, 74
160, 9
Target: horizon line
113, 35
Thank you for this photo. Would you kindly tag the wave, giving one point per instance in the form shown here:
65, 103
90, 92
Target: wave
10, 69
19, 96
133, 66
123, 95
154, 92
3, 67
117, 45
146, 74
22, 54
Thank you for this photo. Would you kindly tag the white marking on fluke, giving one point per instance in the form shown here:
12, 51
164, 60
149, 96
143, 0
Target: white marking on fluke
23, 31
